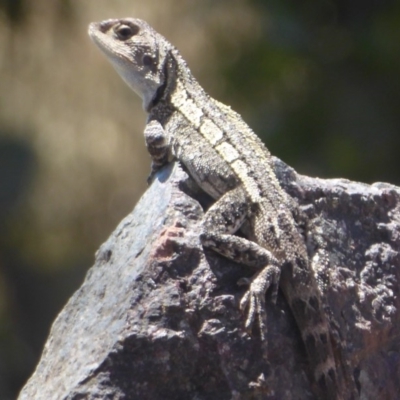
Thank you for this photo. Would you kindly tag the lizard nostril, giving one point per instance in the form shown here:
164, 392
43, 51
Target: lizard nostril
104, 26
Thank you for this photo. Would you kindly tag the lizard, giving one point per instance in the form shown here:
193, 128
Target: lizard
229, 162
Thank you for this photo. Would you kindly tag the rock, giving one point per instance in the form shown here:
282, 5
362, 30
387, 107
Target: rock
157, 317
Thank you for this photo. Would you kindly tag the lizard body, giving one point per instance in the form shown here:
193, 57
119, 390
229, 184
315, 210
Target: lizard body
230, 163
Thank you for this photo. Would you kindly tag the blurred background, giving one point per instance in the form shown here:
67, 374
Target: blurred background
318, 80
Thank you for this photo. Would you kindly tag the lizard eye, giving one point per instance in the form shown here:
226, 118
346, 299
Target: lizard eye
125, 32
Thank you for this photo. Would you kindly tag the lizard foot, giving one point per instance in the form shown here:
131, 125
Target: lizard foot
254, 298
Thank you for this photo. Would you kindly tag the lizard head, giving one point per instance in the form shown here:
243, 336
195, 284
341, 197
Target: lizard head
136, 51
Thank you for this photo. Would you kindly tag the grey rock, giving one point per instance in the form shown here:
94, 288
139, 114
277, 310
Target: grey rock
157, 317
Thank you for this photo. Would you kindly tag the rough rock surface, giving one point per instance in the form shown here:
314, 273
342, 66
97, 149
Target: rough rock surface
158, 318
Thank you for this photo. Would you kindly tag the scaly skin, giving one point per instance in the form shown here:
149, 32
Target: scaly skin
230, 163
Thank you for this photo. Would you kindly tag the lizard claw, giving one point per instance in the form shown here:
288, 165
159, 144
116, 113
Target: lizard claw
155, 167
152, 174
254, 298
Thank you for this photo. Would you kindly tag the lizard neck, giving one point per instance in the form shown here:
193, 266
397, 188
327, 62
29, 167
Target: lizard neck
176, 75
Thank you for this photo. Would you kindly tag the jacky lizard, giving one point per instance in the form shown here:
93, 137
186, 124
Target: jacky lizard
230, 163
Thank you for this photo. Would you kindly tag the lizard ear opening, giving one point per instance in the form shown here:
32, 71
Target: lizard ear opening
126, 31
150, 63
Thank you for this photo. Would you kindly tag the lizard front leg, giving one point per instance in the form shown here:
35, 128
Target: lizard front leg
158, 145
220, 222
